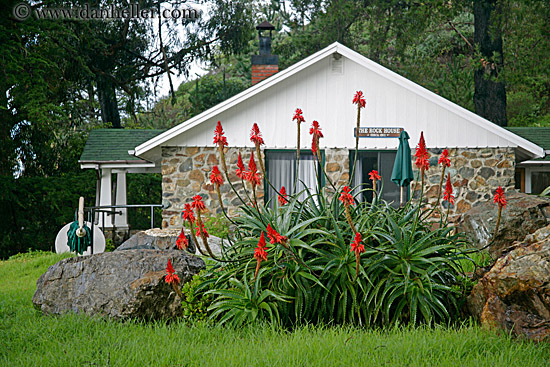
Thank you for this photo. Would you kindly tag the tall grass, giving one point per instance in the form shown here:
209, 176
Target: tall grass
29, 339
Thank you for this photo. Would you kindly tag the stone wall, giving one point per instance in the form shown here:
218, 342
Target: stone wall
186, 173
475, 174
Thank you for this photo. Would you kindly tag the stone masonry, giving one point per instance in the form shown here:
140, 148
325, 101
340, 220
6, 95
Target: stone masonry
186, 173
475, 175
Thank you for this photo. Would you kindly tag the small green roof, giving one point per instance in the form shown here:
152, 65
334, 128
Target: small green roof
536, 135
112, 145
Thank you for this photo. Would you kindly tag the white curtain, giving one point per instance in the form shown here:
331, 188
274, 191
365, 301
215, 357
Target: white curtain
281, 171
357, 176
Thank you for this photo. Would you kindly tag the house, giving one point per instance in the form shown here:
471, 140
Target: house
484, 155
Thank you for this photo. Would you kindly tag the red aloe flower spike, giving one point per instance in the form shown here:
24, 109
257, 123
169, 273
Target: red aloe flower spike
275, 237
252, 163
358, 248
346, 197
216, 177
181, 242
221, 142
217, 181
445, 162
171, 277
298, 116
299, 119
260, 254
188, 214
203, 231
448, 195
219, 139
252, 175
499, 198
256, 135
256, 138
315, 131
374, 176
197, 203
356, 245
283, 197
359, 100
444, 159
421, 155
241, 171
421, 152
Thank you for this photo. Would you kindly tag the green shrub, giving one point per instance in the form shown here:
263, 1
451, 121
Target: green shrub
409, 273
195, 303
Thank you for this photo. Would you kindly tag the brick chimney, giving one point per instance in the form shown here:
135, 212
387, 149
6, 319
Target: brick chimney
265, 64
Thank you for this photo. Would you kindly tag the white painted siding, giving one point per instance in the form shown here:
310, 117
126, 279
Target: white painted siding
326, 96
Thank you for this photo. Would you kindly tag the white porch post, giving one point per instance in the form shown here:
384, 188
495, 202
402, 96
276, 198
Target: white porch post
121, 221
105, 196
527, 180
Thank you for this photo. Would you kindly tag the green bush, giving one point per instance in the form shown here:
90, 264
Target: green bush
409, 273
196, 303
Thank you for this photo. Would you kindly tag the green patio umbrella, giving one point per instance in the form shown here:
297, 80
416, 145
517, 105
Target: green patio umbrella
402, 173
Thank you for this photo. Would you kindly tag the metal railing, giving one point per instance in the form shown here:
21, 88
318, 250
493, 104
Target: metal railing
110, 210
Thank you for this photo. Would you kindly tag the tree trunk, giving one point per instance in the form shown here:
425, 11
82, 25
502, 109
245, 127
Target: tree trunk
489, 95
108, 102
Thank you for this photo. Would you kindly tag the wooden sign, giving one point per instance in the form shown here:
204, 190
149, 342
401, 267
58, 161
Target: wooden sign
378, 132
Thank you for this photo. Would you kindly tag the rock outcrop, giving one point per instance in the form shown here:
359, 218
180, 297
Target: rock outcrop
118, 285
515, 294
523, 215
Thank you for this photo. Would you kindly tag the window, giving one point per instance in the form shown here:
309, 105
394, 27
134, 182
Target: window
281, 171
381, 161
540, 180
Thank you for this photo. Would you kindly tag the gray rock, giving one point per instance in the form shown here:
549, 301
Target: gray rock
466, 172
118, 285
186, 165
165, 239
514, 294
486, 172
523, 215
156, 239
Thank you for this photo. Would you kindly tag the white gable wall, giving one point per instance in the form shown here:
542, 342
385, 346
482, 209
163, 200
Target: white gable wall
326, 96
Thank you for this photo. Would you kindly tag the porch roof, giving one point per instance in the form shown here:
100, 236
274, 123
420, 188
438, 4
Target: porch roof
112, 145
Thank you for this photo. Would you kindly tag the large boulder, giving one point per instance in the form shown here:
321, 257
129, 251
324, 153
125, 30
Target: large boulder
523, 215
515, 294
118, 285
165, 239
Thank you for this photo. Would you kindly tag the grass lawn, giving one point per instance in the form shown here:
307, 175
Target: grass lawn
29, 339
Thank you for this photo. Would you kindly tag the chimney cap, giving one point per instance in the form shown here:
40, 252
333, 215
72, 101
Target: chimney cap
265, 26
